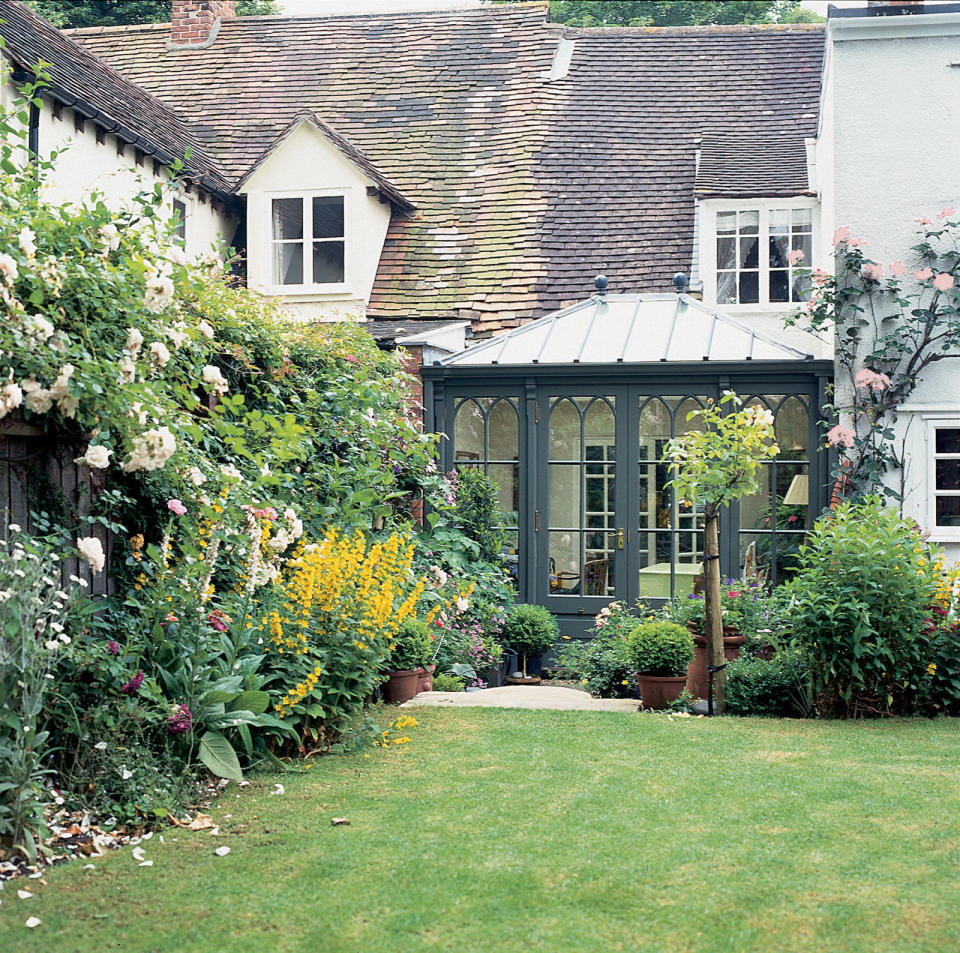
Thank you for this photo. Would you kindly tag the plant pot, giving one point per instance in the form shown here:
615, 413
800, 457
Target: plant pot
697, 675
401, 686
529, 680
657, 691
492, 676
425, 678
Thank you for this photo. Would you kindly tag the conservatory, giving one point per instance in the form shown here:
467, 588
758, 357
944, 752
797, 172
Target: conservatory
569, 417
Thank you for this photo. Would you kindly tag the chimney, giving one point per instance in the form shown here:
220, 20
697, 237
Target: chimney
194, 24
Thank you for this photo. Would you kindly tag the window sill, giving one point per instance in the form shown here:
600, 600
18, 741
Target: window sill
309, 291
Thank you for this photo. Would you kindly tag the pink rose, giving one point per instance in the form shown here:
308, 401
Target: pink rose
841, 235
176, 506
871, 379
923, 221
943, 281
795, 257
840, 436
897, 269
923, 274
946, 212
872, 271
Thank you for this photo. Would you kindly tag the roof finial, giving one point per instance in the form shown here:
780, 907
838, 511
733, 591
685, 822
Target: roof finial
600, 283
680, 282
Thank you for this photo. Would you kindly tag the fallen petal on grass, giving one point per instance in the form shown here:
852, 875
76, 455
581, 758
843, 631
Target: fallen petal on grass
32, 922
222, 851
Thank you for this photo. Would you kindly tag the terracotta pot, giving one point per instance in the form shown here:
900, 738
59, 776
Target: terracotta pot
401, 686
657, 691
425, 678
697, 675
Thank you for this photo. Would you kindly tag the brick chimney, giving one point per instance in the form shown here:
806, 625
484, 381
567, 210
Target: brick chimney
196, 23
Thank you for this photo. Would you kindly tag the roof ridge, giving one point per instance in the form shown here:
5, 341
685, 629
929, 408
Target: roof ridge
700, 29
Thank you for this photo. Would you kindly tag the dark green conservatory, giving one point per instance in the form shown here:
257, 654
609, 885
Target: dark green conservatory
569, 416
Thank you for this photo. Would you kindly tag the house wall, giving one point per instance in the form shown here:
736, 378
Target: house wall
87, 166
887, 156
304, 163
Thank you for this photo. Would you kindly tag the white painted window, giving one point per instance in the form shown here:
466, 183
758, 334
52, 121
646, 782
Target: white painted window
757, 255
945, 478
308, 241
180, 219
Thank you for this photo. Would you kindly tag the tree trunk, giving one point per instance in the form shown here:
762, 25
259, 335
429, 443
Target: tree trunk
714, 620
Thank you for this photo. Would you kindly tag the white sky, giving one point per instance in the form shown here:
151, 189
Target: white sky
305, 8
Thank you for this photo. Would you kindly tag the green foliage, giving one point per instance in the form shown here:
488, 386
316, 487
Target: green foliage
478, 511
600, 665
661, 648
442, 682
530, 629
777, 688
413, 645
72, 14
887, 329
859, 608
586, 13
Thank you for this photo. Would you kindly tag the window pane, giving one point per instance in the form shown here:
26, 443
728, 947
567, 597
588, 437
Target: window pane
328, 216
180, 215
779, 221
564, 564
749, 287
726, 253
288, 264
948, 511
779, 286
468, 431
792, 429
802, 219
749, 253
565, 495
503, 431
948, 474
948, 440
802, 285
779, 250
327, 262
749, 223
726, 223
727, 287
565, 431
803, 243
506, 478
287, 218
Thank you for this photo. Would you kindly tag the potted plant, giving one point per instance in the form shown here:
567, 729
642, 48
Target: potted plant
410, 654
529, 631
659, 653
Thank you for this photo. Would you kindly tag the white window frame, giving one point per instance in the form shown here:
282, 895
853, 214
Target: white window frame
938, 533
708, 247
329, 287
184, 201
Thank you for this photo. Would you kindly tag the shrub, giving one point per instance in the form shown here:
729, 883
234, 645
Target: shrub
413, 645
859, 608
777, 688
661, 648
600, 665
530, 630
442, 682
478, 511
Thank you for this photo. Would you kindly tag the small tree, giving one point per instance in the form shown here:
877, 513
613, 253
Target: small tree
714, 467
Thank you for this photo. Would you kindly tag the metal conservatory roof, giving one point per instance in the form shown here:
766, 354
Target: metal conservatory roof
633, 329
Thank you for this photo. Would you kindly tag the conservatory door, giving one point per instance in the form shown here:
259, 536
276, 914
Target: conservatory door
580, 520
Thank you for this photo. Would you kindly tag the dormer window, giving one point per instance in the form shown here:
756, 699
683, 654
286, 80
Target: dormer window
757, 255
308, 239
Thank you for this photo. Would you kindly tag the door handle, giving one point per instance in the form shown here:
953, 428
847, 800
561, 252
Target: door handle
620, 538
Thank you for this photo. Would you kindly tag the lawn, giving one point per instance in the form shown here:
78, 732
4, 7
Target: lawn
537, 830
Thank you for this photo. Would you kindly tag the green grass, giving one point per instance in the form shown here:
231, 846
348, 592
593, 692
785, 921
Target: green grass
507, 830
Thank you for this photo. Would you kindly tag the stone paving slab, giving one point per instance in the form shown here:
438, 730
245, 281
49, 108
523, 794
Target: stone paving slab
523, 696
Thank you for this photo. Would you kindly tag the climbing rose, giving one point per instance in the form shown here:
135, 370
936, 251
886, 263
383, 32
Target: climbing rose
872, 271
91, 550
897, 269
795, 257
841, 234
943, 281
840, 436
176, 506
923, 274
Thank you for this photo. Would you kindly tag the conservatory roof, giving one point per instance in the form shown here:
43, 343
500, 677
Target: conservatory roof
629, 328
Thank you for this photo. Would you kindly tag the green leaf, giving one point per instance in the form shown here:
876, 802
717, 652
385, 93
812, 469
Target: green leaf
251, 700
219, 757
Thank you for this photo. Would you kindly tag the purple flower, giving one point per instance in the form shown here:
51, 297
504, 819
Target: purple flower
180, 720
113, 648
133, 686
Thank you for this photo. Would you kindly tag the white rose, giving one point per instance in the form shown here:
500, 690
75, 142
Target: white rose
128, 371
195, 476
160, 353
134, 341
27, 241
36, 398
11, 396
205, 329
215, 382
176, 255
38, 328
8, 268
91, 550
159, 293
109, 236
98, 457
463, 603
61, 386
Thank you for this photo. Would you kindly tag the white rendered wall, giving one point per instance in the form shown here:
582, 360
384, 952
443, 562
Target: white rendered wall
888, 154
86, 166
305, 162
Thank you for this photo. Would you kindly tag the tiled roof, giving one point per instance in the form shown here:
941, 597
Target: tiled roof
744, 166
97, 92
525, 187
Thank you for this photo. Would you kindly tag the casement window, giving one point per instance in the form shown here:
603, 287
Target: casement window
945, 477
180, 218
308, 240
761, 255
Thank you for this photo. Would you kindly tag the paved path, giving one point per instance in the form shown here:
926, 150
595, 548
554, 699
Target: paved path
523, 696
